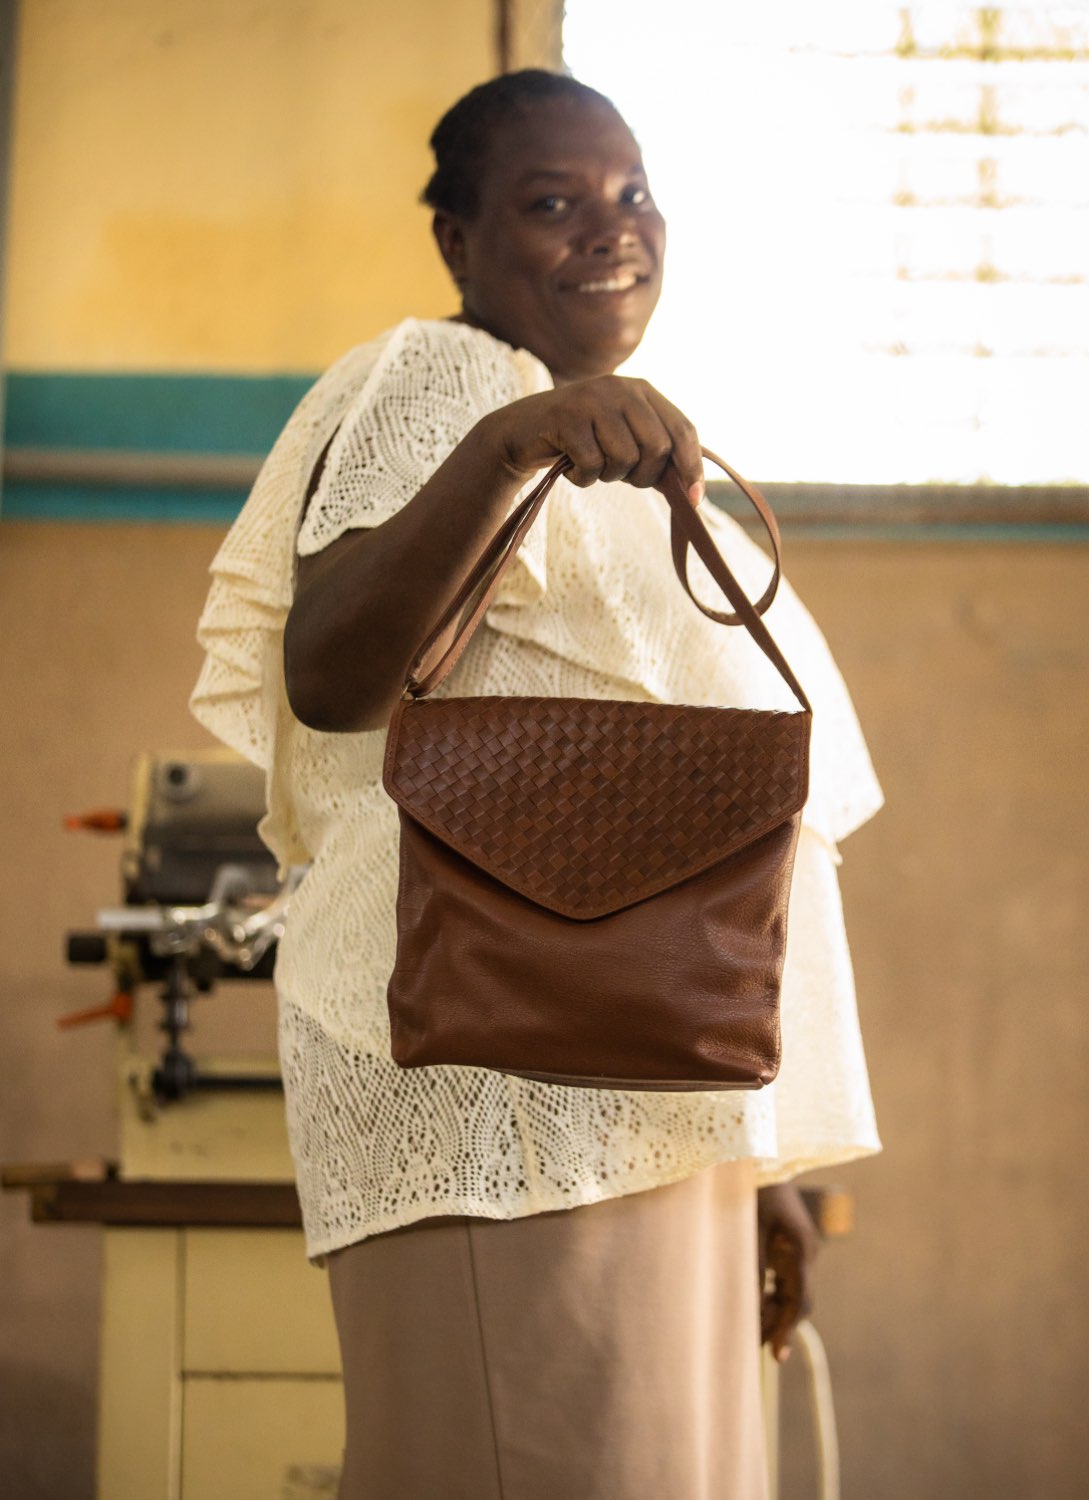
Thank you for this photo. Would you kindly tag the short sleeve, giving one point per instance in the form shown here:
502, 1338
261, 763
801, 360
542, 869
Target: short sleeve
239, 695
431, 385
395, 408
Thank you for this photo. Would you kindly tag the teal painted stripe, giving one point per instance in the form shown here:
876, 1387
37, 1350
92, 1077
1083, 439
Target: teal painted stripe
981, 531
26, 502
243, 414
38, 502
153, 413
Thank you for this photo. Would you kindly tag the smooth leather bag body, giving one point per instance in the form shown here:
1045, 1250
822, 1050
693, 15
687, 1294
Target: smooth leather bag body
594, 892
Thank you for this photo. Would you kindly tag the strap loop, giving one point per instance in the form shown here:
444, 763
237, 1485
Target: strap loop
680, 541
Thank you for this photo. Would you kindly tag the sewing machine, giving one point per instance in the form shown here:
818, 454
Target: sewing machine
219, 1370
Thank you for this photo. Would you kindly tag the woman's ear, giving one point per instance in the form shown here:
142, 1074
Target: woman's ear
450, 238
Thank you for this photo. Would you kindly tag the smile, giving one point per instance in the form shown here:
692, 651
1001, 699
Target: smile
623, 281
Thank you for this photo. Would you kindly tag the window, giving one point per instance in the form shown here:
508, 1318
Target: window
879, 230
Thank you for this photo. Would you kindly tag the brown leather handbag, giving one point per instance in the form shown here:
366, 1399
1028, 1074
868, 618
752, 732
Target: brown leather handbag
595, 892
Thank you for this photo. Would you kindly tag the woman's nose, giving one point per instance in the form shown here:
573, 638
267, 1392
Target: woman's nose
609, 230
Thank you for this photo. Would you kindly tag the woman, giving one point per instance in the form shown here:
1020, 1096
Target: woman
539, 1291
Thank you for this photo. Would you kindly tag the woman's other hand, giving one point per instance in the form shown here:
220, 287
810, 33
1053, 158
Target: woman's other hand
787, 1243
610, 427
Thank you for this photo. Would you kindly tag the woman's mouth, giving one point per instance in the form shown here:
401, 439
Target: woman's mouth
619, 281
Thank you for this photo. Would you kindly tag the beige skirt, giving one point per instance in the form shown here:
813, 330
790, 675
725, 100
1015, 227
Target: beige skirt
609, 1352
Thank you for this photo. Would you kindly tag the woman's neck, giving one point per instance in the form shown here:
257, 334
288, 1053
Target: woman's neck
559, 377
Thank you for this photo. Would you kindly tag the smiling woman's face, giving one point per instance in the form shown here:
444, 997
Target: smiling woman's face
564, 256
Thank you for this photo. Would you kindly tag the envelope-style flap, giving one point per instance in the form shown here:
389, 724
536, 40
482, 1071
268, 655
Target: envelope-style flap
586, 806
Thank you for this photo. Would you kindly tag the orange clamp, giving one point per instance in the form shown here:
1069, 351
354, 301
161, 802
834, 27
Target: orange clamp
101, 820
118, 1009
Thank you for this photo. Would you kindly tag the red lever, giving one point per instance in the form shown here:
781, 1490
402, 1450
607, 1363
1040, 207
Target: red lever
117, 1009
102, 820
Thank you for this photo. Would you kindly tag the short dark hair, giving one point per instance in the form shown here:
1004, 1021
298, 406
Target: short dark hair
461, 139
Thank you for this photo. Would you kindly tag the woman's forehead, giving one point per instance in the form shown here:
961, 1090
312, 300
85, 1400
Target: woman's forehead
554, 138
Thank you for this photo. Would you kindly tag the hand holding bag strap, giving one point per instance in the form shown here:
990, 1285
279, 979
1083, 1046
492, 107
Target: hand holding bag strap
686, 530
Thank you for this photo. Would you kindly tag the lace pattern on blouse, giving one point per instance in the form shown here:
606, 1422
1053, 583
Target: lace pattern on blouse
590, 609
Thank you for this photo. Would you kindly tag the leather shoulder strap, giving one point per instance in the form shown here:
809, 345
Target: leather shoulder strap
474, 597
686, 530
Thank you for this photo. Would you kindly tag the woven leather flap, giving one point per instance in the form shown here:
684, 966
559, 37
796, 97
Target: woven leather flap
588, 806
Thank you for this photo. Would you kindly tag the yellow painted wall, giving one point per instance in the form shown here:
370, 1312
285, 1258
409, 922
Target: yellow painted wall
216, 185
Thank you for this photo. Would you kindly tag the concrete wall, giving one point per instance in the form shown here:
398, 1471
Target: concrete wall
207, 186
956, 1316
201, 188
195, 189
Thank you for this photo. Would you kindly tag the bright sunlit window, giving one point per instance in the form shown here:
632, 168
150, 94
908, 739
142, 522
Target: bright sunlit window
878, 265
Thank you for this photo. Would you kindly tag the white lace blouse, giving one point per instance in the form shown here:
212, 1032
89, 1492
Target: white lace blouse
591, 608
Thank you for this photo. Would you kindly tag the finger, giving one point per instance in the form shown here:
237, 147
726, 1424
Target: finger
653, 443
578, 441
777, 1327
769, 1316
618, 445
777, 1317
684, 444
791, 1297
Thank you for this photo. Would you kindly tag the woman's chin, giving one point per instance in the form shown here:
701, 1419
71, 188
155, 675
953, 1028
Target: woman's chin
595, 340
604, 354
614, 327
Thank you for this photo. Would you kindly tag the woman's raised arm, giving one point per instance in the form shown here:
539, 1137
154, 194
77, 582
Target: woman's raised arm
364, 606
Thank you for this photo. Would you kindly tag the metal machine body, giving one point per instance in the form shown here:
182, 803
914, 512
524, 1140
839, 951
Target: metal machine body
202, 901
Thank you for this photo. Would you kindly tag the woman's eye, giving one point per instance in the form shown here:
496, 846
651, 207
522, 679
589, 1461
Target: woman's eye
553, 204
636, 195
